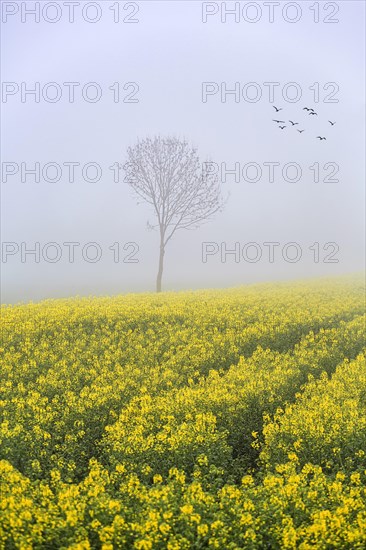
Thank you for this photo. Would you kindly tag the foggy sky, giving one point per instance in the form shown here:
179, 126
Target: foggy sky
169, 53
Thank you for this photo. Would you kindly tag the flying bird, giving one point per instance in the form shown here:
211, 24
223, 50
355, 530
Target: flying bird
293, 123
279, 121
307, 109
301, 131
332, 123
276, 108
313, 113
321, 138
282, 127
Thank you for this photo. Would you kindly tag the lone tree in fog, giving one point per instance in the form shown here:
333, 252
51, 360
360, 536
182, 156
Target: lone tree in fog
167, 174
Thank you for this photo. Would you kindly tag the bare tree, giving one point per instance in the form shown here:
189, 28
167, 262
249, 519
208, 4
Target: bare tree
167, 174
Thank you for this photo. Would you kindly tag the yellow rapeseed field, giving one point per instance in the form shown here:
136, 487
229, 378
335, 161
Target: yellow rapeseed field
219, 419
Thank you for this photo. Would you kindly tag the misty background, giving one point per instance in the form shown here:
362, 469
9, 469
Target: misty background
169, 53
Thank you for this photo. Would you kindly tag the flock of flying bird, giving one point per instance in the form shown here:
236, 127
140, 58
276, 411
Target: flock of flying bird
310, 112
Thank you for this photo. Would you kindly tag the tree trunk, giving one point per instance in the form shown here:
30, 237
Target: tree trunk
161, 267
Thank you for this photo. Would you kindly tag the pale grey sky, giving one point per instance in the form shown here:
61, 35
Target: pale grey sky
169, 53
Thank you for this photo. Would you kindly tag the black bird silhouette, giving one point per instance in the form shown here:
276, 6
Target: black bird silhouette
276, 109
321, 138
332, 123
293, 123
307, 109
279, 121
301, 131
282, 127
313, 113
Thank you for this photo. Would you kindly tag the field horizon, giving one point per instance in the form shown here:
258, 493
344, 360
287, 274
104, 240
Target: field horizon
358, 275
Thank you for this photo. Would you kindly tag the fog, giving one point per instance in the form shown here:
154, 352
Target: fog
161, 62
